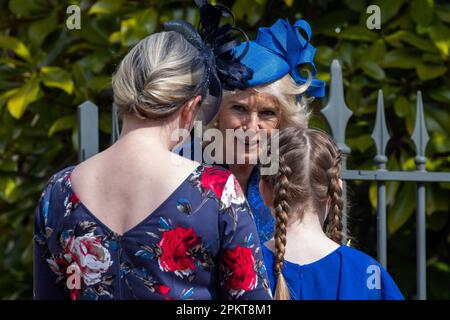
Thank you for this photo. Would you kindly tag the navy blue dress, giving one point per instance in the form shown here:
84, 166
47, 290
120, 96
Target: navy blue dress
200, 243
344, 274
264, 220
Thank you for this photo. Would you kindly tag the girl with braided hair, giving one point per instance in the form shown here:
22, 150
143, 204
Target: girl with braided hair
305, 258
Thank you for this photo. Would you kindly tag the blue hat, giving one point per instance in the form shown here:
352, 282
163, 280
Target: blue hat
279, 50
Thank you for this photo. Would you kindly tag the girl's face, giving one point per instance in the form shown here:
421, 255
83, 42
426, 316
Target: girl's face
251, 112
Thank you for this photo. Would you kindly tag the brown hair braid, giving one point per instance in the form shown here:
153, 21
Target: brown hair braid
307, 179
333, 223
281, 208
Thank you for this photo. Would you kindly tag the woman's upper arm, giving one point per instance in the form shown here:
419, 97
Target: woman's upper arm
44, 279
242, 271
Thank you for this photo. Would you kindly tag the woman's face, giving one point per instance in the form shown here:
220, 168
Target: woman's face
253, 113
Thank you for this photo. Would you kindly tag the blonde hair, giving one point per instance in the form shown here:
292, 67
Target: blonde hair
293, 104
307, 178
157, 76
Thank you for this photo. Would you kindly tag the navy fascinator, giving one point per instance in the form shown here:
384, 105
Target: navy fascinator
216, 44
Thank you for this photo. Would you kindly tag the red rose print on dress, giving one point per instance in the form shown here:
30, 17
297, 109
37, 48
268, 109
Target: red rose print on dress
177, 246
239, 265
85, 253
223, 184
91, 257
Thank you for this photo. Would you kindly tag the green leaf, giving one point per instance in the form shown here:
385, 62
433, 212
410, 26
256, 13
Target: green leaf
422, 11
55, 77
427, 72
8, 165
375, 52
373, 70
26, 94
358, 33
412, 39
7, 186
443, 13
401, 58
38, 30
24, 8
402, 208
138, 26
249, 10
401, 106
441, 94
440, 35
64, 123
324, 55
105, 122
362, 143
389, 8
105, 6
15, 45
431, 57
100, 83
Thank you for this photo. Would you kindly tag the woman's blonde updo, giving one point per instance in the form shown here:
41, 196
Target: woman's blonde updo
157, 76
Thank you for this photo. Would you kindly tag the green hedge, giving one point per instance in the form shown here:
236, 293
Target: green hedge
46, 70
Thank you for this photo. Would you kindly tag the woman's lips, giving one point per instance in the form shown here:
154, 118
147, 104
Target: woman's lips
248, 138
247, 141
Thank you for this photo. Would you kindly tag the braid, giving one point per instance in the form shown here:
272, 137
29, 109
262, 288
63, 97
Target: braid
336, 204
281, 209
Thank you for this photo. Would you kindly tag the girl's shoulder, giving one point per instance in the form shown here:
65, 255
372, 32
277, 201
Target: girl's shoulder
361, 268
356, 256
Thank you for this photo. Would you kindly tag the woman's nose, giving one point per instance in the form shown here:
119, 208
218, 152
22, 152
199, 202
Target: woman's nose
252, 123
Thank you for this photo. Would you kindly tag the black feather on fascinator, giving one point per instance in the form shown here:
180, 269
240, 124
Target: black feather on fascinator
215, 44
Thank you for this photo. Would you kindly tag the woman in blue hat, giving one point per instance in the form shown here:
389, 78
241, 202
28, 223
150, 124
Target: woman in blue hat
273, 98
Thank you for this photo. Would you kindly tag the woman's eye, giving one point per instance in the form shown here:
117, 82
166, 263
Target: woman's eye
268, 113
239, 108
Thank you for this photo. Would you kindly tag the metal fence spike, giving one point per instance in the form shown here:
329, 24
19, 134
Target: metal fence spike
336, 111
420, 134
380, 132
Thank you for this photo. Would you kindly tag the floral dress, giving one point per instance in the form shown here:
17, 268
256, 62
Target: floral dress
200, 243
264, 220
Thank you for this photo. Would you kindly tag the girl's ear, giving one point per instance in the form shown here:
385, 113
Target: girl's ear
266, 193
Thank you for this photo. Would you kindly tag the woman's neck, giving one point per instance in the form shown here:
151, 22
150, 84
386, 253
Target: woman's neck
242, 173
145, 134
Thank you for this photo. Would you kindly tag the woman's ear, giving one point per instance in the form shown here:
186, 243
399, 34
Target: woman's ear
189, 111
266, 193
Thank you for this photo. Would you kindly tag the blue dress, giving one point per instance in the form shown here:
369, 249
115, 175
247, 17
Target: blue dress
264, 221
344, 274
200, 243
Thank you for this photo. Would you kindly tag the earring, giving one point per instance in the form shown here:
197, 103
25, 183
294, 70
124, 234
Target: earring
216, 124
